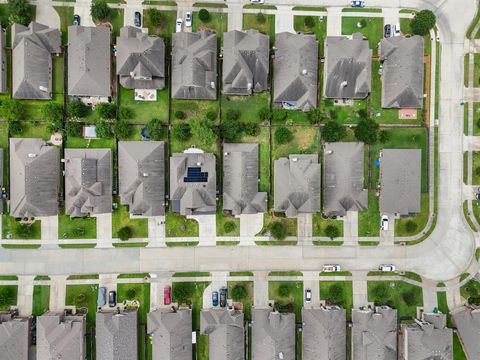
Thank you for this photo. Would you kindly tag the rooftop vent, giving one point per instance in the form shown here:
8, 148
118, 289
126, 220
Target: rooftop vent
32, 155
344, 84
304, 72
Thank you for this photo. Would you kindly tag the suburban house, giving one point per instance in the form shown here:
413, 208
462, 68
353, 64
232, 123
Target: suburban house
3, 61
245, 62
226, 338
240, 180
171, 333
403, 69
61, 336
140, 59
295, 71
15, 337
193, 182
348, 67
428, 338
374, 333
194, 65
467, 321
400, 179
116, 335
88, 182
297, 185
89, 63
273, 335
34, 174
343, 178
324, 333
141, 176
33, 47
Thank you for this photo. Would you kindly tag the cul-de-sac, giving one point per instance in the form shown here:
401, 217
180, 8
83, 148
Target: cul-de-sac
240, 180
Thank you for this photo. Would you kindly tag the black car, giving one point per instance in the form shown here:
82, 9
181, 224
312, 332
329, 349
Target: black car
223, 297
76, 19
112, 299
138, 19
387, 31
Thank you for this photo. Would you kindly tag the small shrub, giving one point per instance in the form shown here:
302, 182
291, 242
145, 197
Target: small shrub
284, 290
131, 293
183, 291
231, 130
229, 226
181, 131
14, 127
81, 298
239, 292
362, 23
381, 293
411, 226
205, 131
122, 130
155, 129
106, 111
409, 297
278, 230
77, 109
251, 129
261, 18
384, 136
180, 115
233, 114
100, 10
211, 115
474, 300
104, 129
309, 21
333, 131
283, 135
78, 231
125, 233
279, 115
265, 114
204, 15
332, 231
73, 129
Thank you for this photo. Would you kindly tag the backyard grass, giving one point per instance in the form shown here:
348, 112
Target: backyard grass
144, 111
11, 226
81, 143
76, 228
346, 298
217, 23
179, 226
250, 21
319, 28
263, 140
393, 296
305, 141
345, 114
458, 353
34, 130
476, 168
319, 225
248, 300
369, 220
223, 219
195, 300
290, 224
140, 292
83, 296
373, 30
465, 69
248, 106
121, 218
41, 299
293, 302
476, 70
419, 219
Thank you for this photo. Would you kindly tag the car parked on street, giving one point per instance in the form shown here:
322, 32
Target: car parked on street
178, 25
188, 19
386, 268
257, 1
396, 29
112, 298
137, 20
102, 296
308, 296
167, 295
76, 19
357, 4
384, 223
387, 30
214, 298
223, 297
331, 268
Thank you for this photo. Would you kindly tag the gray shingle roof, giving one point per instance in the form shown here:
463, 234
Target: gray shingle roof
225, 333
61, 337
172, 334
273, 335
141, 176
89, 59
240, 180
402, 85
429, 339
245, 62
3, 61
2, 162
467, 321
194, 65
194, 197
33, 47
34, 172
116, 335
14, 337
140, 59
324, 333
400, 171
297, 185
348, 67
374, 334
296, 70
343, 179
88, 182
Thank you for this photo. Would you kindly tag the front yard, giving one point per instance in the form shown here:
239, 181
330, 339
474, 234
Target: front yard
76, 228
121, 218
288, 296
339, 293
12, 228
140, 292
371, 28
179, 226
83, 296
319, 28
41, 299
217, 23
319, 225
264, 23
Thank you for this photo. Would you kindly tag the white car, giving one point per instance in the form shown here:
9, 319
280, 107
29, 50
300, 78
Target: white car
188, 19
384, 223
257, 1
357, 4
308, 296
178, 25
386, 268
331, 268
396, 29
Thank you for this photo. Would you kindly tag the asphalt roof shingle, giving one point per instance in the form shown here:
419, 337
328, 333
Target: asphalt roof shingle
14, 337
116, 335
467, 322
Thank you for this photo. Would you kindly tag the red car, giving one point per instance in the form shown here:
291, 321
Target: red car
166, 295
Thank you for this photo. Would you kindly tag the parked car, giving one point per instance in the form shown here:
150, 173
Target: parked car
188, 19
167, 297
76, 19
112, 299
386, 267
102, 296
257, 1
138, 19
223, 297
384, 223
357, 4
331, 268
387, 30
308, 296
396, 29
178, 25
215, 298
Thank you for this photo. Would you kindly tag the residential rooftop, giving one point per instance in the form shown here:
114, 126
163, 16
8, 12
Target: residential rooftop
15, 337
467, 322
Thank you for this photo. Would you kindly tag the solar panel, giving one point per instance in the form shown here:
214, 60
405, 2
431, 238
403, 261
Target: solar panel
195, 174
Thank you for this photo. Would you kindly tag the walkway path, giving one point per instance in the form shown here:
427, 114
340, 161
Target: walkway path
25, 295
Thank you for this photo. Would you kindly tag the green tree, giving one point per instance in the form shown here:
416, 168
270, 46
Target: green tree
14, 127
333, 131
183, 291
251, 129
239, 292
279, 115
106, 111
335, 293
205, 131
410, 297
332, 231
231, 130
233, 114
309, 21
381, 293
265, 114
261, 18
77, 109
132, 293
384, 136
283, 135
125, 233
367, 131
155, 17
278, 230
362, 23
284, 290
155, 129
122, 130
11, 109
477, 171
125, 113
411, 226
316, 115
100, 10
204, 15
474, 300
211, 115
52, 111
229, 226
104, 129
180, 115
423, 22
19, 12
181, 131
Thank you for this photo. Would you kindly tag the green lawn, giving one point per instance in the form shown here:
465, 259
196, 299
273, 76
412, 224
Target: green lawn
144, 111
9, 296
345, 114
369, 220
458, 353
217, 23
263, 139
140, 292
319, 29
12, 226
373, 30
41, 299
293, 302
116, 20
476, 118
392, 294
66, 19
34, 130
248, 300
83, 296
195, 300
179, 226
290, 224
305, 141
223, 219
121, 218
368, 9
476, 168
248, 106
166, 28
420, 219
76, 228
250, 21
476, 70
319, 225
465, 69
472, 287
4, 146
81, 143
344, 300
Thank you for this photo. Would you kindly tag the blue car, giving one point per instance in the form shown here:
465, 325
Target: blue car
223, 297
102, 296
215, 298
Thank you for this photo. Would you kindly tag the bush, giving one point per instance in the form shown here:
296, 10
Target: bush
55, 125
309, 21
180, 115
23, 231
477, 171
411, 226
100, 10
471, 288
181, 132
183, 291
332, 231
335, 293
410, 297
362, 23
125, 233
278, 230
106, 111
474, 300
261, 18
265, 114
131, 293
11, 109
423, 22
283, 135
229, 226
122, 130
125, 113
239, 292
381, 293
279, 115
104, 129
367, 131
284, 290
155, 129
233, 114
384, 136
154, 16
316, 115
73, 129
14, 127
251, 129
205, 131
78, 231
77, 109
333, 131
20, 12
52, 112
7, 296
204, 15
230, 130
211, 115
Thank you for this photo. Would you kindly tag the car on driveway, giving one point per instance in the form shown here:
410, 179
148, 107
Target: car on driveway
308, 296
102, 296
387, 30
188, 19
223, 297
112, 298
386, 268
76, 19
396, 29
178, 25
357, 4
214, 298
257, 1
167, 297
137, 20
331, 268
384, 223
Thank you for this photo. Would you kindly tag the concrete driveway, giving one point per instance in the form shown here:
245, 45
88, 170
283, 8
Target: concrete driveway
82, 8
25, 295
58, 291
130, 8
156, 231
207, 228
108, 281
49, 230
310, 281
219, 280
157, 285
260, 288
284, 19
251, 224
46, 14
104, 230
